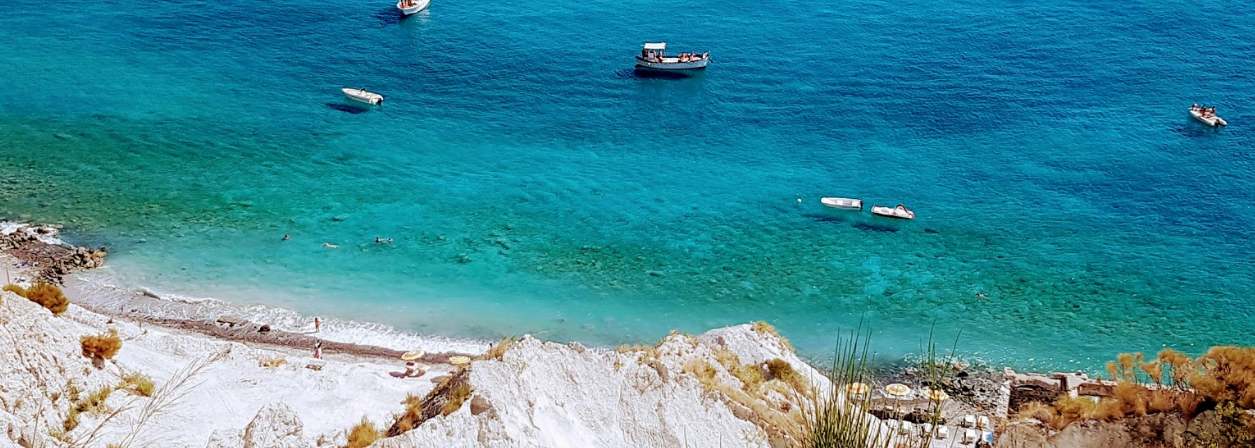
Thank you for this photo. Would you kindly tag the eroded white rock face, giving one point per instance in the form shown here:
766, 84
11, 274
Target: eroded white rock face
275, 426
539, 394
544, 394
38, 360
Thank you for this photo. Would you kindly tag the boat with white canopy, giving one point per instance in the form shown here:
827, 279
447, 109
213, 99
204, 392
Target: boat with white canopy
842, 203
362, 96
654, 57
409, 7
899, 212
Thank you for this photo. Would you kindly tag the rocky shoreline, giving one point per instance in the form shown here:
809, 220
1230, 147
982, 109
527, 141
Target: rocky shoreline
39, 248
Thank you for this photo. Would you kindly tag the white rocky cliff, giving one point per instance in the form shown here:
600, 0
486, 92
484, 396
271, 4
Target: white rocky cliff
736, 386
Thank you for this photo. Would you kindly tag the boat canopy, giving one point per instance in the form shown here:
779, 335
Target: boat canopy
655, 45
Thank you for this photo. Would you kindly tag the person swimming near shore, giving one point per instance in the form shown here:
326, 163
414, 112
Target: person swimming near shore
330, 246
286, 237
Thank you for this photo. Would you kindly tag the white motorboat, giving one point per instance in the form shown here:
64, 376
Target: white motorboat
409, 7
842, 203
363, 96
899, 212
654, 57
1207, 115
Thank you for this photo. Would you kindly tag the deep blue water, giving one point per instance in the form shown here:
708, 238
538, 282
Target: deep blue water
1068, 207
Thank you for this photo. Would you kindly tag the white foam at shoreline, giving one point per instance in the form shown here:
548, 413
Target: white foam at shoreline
9, 228
99, 287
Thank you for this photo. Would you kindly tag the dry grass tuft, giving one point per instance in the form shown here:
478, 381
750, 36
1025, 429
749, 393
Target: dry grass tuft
765, 328
779, 369
498, 350
272, 362
138, 384
751, 376
457, 395
101, 347
704, 372
93, 403
1042, 412
45, 294
362, 435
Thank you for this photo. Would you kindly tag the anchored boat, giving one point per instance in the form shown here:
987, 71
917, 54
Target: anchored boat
1207, 115
654, 58
842, 203
363, 96
899, 212
408, 7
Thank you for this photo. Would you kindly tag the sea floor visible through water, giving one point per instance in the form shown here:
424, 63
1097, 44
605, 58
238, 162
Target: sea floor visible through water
530, 182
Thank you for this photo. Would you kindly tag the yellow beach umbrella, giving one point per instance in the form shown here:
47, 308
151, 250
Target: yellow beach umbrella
459, 360
898, 390
857, 388
412, 356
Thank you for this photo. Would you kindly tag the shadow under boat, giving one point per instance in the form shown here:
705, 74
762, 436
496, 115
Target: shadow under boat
873, 227
348, 108
666, 74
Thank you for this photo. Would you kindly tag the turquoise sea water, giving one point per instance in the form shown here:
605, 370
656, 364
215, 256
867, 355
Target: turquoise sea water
1068, 208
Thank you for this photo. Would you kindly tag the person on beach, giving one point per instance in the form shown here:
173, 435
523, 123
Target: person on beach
318, 350
317, 324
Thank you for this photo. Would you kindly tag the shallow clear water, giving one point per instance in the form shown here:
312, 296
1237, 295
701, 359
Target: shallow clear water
1068, 208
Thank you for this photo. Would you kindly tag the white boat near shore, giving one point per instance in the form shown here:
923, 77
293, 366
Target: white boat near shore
409, 7
1207, 116
363, 96
899, 212
653, 57
842, 203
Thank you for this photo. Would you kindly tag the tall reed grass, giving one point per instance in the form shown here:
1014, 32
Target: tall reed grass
837, 418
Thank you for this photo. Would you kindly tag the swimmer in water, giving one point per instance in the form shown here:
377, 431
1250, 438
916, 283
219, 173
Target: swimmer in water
286, 237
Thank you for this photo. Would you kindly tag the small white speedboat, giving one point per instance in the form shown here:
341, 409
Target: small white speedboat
1210, 118
899, 212
409, 7
363, 96
842, 203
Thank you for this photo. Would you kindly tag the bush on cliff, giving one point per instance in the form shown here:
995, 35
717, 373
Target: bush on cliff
1170, 383
45, 294
101, 347
138, 384
362, 435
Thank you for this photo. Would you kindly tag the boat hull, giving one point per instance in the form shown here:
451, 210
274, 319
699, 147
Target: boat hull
888, 212
1212, 121
419, 5
364, 97
653, 66
842, 203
